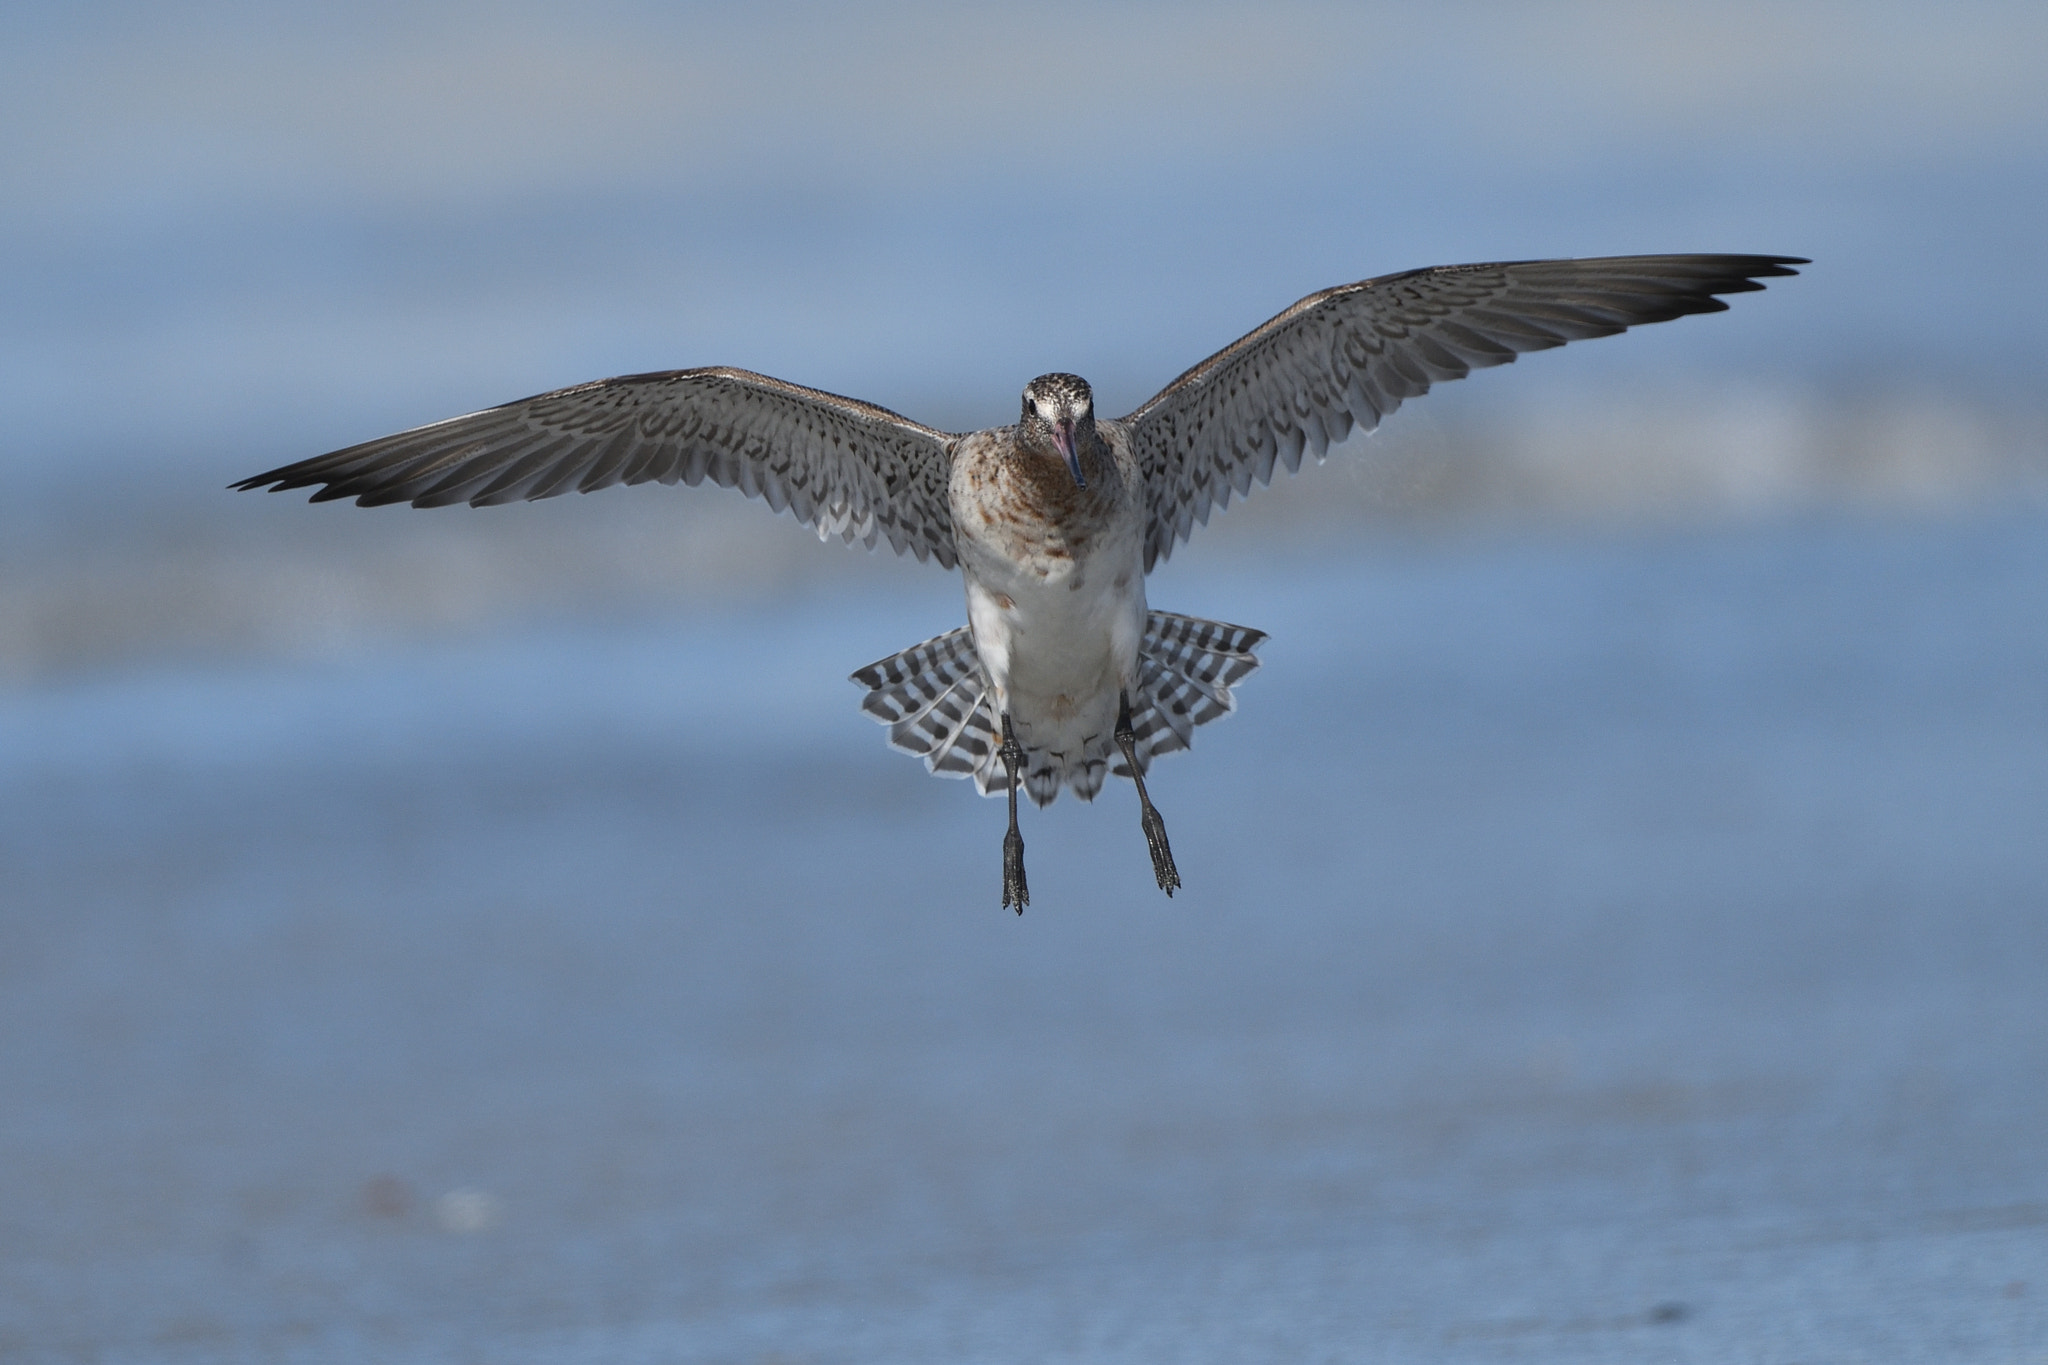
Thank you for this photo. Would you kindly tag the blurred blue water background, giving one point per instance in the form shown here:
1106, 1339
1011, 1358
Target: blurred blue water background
1614, 924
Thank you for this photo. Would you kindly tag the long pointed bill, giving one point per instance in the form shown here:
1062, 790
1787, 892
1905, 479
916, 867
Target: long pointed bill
1063, 437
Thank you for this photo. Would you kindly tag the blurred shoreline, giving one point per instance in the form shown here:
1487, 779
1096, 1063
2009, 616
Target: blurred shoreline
183, 573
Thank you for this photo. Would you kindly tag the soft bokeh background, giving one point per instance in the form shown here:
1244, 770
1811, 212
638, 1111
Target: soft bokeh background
1614, 923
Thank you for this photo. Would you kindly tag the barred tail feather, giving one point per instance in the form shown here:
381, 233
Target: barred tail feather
1186, 670
935, 703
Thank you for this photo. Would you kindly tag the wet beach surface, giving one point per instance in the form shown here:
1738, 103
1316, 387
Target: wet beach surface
1592, 949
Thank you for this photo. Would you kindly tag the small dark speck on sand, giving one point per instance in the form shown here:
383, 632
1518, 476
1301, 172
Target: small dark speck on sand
1664, 1314
386, 1196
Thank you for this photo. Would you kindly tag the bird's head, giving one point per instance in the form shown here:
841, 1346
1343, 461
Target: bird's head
1059, 410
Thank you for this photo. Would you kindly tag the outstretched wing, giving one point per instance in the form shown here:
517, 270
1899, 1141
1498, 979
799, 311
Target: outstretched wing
842, 466
1353, 353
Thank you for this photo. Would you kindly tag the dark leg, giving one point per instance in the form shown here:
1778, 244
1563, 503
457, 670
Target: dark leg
1015, 894
1148, 814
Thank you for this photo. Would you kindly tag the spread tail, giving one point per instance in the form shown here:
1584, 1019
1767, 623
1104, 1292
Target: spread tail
935, 702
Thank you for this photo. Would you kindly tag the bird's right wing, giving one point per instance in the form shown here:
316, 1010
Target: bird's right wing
1353, 353
844, 467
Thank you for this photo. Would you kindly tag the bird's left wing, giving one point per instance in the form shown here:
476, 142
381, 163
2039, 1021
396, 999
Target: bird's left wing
845, 467
1353, 353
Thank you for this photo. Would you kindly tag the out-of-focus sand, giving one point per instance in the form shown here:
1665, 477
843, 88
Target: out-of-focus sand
1593, 949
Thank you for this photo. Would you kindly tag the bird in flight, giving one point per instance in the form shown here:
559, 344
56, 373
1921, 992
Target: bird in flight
1062, 674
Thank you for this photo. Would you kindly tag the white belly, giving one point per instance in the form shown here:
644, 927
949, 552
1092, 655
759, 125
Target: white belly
1052, 646
1058, 641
